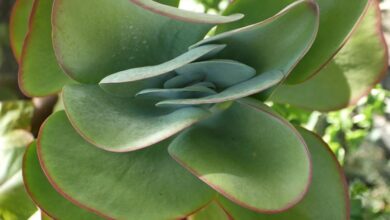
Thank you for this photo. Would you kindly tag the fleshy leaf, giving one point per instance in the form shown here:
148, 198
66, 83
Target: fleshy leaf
39, 72
337, 19
327, 197
19, 25
184, 15
350, 75
250, 87
123, 124
115, 36
129, 82
222, 73
249, 155
276, 43
186, 92
212, 211
44, 195
173, 3
148, 183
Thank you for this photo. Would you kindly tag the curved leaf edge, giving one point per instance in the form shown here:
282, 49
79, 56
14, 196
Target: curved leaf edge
381, 36
24, 52
346, 39
73, 200
340, 170
53, 183
28, 190
242, 204
285, 10
125, 149
189, 16
11, 27
382, 74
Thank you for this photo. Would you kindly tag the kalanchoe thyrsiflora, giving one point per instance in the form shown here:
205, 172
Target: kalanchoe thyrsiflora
163, 123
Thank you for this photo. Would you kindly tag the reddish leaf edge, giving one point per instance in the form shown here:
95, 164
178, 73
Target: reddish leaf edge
242, 204
340, 170
323, 65
124, 149
11, 28
383, 73
311, 3
75, 201
381, 36
26, 43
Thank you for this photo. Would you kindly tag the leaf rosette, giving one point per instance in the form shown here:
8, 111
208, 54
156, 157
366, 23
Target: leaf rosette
162, 122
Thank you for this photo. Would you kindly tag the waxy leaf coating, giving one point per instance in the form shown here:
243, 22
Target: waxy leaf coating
145, 184
327, 197
44, 195
249, 155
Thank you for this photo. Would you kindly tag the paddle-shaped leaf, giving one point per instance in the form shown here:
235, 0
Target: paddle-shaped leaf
145, 184
350, 75
44, 195
250, 87
91, 44
39, 73
222, 73
327, 197
337, 19
122, 124
249, 155
276, 43
18, 25
129, 82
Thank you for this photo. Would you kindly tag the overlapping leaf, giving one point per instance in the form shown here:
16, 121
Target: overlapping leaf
349, 76
91, 44
145, 184
326, 199
39, 72
337, 19
19, 25
249, 155
277, 43
44, 195
122, 124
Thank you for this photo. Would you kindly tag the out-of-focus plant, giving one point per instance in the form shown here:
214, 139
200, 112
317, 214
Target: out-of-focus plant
15, 118
140, 84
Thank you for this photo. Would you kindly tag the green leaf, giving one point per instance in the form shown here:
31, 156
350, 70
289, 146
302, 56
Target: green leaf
129, 82
249, 155
277, 43
186, 92
123, 124
44, 195
222, 73
39, 73
115, 36
145, 184
327, 197
350, 75
337, 19
212, 211
18, 25
252, 86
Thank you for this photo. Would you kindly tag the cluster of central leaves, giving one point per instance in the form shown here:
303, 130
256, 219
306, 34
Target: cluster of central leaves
142, 85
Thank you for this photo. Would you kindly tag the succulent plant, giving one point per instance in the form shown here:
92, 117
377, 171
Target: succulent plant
162, 121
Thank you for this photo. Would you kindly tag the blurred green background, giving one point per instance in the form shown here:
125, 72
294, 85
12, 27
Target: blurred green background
359, 136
